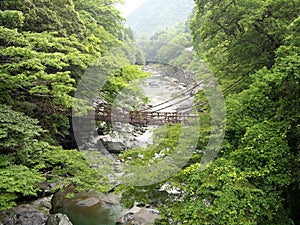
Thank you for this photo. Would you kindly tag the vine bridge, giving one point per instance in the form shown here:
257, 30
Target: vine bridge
156, 115
145, 117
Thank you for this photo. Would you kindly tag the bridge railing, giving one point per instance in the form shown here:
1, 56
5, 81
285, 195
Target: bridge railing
142, 118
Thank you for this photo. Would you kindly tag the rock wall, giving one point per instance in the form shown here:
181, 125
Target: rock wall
34, 213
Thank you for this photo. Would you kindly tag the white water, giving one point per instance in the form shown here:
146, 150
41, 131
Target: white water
159, 89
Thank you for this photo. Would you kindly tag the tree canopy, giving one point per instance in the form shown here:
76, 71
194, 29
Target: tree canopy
45, 49
255, 178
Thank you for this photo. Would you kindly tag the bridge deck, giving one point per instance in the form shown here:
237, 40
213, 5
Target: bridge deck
143, 118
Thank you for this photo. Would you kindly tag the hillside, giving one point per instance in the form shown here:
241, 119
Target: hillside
153, 15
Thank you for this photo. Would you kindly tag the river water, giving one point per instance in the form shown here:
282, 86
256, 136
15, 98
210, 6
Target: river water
165, 94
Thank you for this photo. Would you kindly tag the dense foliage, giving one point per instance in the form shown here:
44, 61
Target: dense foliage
45, 48
29, 163
154, 15
255, 178
168, 46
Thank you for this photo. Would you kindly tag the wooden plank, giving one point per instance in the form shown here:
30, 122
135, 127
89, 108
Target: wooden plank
137, 117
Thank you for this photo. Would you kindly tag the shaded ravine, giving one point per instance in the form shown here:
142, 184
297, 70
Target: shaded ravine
159, 88
105, 209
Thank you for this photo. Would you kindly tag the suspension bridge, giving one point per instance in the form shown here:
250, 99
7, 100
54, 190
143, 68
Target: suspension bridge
156, 115
150, 115
145, 117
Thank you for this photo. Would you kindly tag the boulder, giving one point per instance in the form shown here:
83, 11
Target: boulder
80, 202
139, 216
144, 217
88, 202
114, 147
87, 208
35, 213
58, 219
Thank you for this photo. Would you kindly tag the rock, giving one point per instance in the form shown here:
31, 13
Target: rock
45, 203
80, 201
58, 219
103, 150
48, 187
35, 213
101, 131
114, 147
88, 202
139, 216
87, 208
88, 146
144, 217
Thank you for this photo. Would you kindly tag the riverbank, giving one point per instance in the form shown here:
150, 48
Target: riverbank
165, 93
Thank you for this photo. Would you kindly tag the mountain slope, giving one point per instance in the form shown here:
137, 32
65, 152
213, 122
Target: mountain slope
153, 15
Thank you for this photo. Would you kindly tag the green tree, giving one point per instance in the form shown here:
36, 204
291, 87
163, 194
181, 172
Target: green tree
26, 161
239, 37
46, 46
255, 179
40, 15
45, 49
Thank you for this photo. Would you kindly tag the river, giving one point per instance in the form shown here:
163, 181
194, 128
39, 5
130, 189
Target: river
165, 94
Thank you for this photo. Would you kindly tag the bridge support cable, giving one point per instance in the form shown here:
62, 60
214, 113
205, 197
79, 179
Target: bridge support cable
174, 98
224, 92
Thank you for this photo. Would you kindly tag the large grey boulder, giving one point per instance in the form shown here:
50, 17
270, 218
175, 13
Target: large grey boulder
35, 213
144, 217
139, 216
58, 219
114, 147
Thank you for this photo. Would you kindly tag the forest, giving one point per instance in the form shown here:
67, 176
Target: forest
251, 46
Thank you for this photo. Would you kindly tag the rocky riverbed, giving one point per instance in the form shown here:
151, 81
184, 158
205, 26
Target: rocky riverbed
85, 209
105, 209
33, 213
